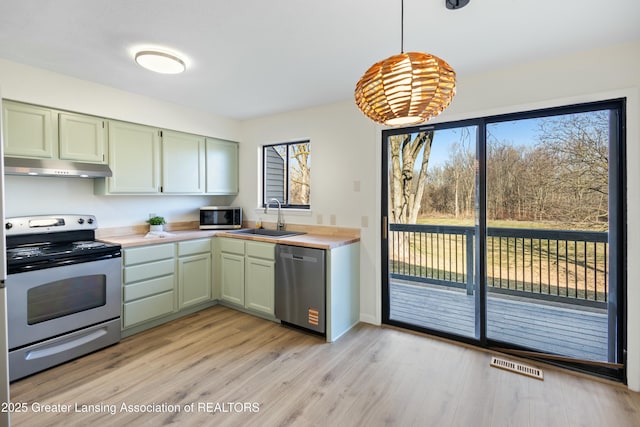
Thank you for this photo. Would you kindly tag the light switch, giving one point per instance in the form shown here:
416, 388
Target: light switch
319, 219
364, 221
332, 219
356, 186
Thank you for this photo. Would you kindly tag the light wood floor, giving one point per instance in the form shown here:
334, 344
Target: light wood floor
370, 377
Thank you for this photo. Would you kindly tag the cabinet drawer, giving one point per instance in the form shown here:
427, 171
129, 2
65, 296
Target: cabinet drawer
194, 247
148, 253
148, 287
149, 270
261, 250
147, 308
233, 246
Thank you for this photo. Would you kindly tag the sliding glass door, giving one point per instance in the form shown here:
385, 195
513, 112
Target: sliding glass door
506, 232
547, 240
432, 229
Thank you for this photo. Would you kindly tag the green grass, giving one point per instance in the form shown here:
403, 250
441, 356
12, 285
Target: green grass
413, 270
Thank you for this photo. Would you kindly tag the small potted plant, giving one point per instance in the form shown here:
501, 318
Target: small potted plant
156, 223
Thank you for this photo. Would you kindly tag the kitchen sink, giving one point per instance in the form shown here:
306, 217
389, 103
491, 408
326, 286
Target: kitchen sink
268, 232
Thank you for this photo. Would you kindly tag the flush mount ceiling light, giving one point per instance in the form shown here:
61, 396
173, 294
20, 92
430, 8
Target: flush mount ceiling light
160, 62
406, 89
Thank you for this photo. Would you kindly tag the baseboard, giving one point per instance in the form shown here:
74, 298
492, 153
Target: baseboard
367, 318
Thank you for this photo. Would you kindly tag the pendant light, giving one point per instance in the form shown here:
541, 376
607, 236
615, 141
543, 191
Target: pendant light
405, 89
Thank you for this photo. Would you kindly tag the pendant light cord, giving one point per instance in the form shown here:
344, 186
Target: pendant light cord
401, 26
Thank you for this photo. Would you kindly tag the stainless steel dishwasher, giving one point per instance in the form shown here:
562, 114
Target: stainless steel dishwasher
300, 287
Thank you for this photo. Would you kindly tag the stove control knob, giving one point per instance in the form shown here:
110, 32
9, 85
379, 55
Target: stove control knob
81, 221
8, 226
90, 221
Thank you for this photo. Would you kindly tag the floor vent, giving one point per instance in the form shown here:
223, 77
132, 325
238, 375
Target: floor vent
518, 368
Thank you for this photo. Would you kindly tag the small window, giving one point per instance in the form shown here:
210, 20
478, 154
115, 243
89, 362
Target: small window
286, 172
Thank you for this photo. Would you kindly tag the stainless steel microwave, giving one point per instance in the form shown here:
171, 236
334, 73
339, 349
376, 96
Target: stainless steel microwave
220, 217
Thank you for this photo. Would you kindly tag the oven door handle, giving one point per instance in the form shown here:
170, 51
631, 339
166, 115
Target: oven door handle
60, 348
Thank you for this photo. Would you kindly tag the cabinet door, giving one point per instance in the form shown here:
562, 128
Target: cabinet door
182, 163
134, 158
232, 278
259, 285
81, 138
194, 279
28, 130
222, 167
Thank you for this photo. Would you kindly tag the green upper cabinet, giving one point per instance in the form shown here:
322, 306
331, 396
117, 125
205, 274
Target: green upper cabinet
82, 138
146, 160
222, 167
40, 132
183, 163
134, 158
28, 130
143, 159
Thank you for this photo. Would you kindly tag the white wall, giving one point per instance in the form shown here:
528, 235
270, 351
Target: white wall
39, 195
346, 147
27, 195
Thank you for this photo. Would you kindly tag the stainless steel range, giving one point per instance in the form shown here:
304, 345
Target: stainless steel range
63, 291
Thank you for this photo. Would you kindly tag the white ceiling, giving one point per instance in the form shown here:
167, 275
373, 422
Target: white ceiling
249, 58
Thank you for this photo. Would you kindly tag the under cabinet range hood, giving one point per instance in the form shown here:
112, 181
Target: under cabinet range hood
49, 167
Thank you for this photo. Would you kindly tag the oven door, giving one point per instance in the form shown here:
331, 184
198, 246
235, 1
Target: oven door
46, 303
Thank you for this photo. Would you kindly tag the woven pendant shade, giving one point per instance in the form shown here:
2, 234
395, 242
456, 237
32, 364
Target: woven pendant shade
406, 89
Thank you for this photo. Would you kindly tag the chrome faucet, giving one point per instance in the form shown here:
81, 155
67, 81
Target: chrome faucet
280, 224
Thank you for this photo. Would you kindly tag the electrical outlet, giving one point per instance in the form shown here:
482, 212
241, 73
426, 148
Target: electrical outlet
332, 219
319, 219
364, 221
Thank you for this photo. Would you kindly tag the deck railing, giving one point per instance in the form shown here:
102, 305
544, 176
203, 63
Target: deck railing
562, 265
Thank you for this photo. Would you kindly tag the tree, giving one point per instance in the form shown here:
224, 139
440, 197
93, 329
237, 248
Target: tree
406, 187
578, 147
300, 174
560, 175
505, 180
463, 172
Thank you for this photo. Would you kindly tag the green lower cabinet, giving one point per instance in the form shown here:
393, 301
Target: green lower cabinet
194, 279
232, 278
259, 285
149, 289
247, 274
194, 272
165, 281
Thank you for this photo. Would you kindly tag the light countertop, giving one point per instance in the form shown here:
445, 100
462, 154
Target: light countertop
132, 240
309, 240
325, 238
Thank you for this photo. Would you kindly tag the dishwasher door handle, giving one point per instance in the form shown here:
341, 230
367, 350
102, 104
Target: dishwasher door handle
299, 257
